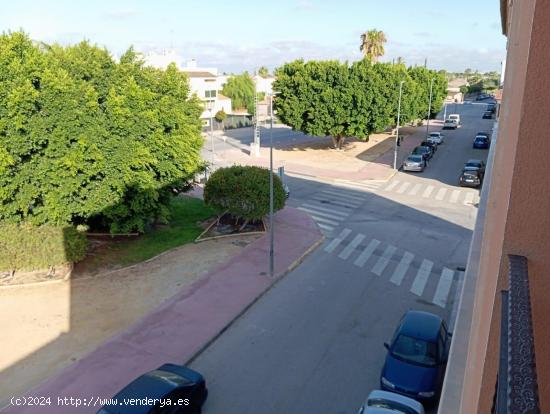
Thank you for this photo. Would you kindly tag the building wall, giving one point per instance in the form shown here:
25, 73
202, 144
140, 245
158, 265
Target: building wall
518, 221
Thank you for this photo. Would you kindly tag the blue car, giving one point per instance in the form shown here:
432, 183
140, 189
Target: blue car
417, 357
481, 142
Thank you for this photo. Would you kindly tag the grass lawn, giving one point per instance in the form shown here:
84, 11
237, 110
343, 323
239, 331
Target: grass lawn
184, 227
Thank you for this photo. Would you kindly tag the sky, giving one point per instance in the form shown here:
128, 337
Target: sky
243, 35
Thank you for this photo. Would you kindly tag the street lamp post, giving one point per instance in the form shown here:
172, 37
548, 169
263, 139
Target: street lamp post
397, 129
444, 111
429, 108
271, 230
210, 107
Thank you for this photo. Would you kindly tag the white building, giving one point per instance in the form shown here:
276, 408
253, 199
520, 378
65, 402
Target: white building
264, 84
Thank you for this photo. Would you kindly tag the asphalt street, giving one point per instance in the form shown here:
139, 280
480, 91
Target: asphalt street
314, 342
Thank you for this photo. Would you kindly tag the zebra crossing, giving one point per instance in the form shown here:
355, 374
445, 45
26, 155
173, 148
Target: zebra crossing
330, 207
421, 272
446, 194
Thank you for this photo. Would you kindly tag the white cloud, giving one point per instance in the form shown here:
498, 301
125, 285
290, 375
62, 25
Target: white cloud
305, 5
120, 14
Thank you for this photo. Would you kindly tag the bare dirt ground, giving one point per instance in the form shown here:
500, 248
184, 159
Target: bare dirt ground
48, 326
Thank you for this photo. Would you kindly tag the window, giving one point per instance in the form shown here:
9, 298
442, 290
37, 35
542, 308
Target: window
414, 350
210, 94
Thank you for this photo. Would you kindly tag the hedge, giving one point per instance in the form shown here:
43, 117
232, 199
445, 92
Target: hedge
27, 247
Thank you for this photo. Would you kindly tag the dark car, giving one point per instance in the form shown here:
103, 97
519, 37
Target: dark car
426, 152
475, 165
487, 115
485, 134
470, 178
169, 389
481, 142
417, 357
431, 145
491, 108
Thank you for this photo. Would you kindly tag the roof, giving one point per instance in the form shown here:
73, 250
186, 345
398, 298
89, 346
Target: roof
193, 74
421, 325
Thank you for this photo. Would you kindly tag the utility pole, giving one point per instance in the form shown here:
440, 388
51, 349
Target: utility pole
429, 108
271, 230
397, 133
211, 109
256, 123
444, 111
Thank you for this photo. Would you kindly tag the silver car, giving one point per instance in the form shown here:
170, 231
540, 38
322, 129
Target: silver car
436, 138
414, 163
384, 402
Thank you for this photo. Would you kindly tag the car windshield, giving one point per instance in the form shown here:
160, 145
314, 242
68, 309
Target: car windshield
414, 350
469, 173
390, 405
413, 158
473, 165
434, 134
481, 138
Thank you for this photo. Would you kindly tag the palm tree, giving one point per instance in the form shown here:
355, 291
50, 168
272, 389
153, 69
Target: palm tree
372, 44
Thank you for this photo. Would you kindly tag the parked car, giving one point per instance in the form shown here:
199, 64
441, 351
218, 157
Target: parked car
456, 117
414, 163
481, 142
491, 107
426, 152
384, 402
470, 178
475, 165
485, 134
184, 388
430, 145
436, 138
450, 124
487, 115
417, 356
287, 190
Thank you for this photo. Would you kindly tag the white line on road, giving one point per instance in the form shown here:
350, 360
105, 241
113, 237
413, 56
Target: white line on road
392, 185
367, 253
443, 287
383, 260
454, 196
428, 191
441, 194
469, 198
402, 268
329, 210
415, 189
325, 220
403, 188
318, 213
325, 227
343, 194
335, 202
344, 254
334, 243
422, 277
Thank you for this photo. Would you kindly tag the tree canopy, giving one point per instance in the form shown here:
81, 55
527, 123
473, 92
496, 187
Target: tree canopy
329, 98
241, 89
84, 139
372, 44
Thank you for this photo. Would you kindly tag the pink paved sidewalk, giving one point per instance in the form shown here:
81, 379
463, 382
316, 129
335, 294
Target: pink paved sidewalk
184, 324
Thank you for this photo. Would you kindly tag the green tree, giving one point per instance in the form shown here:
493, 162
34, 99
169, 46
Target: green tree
263, 72
220, 116
241, 89
372, 44
84, 139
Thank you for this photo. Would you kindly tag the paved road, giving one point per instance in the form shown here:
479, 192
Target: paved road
314, 343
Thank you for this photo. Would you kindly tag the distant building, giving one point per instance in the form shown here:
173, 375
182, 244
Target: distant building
453, 90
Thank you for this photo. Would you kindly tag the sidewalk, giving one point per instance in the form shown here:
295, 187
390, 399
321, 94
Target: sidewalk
185, 324
359, 161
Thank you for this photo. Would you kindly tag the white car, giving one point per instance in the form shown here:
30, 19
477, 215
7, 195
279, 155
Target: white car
436, 138
456, 117
450, 124
384, 402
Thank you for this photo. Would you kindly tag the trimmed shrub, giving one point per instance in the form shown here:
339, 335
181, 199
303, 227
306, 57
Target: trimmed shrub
243, 192
27, 247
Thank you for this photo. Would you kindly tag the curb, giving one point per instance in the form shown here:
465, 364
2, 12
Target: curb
276, 280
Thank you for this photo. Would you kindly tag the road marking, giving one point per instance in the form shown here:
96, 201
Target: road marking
318, 213
383, 260
428, 191
403, 188
402, 268
343, 194
415, 189
392, 185
367, 253
441, 194
454, 196
344, 254
335, 202
422, 277
443, 287
334, 243
325, 220
325, 227
344, 214
469, 198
